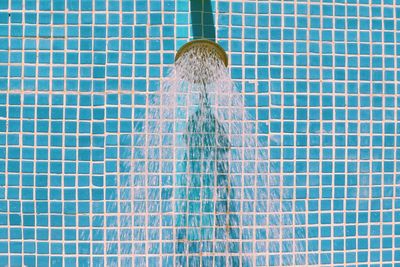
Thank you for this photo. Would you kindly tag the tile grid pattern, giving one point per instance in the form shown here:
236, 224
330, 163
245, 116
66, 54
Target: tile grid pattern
322, 73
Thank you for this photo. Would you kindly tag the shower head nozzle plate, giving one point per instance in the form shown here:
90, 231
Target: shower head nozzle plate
200, 61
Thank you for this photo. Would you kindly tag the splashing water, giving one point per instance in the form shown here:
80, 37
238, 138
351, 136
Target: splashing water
200, 193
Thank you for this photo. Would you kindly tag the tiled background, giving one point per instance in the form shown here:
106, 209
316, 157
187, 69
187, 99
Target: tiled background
75, 77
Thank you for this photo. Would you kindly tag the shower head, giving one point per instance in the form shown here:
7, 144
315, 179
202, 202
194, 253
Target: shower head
198, 61
207, 45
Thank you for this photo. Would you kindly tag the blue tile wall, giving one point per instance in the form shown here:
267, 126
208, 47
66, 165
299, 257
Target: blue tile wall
320, 78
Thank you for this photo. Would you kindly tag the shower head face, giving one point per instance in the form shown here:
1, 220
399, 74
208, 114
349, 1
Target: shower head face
199, 61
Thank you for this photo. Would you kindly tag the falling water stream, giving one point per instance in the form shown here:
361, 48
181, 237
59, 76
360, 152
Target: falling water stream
200, 189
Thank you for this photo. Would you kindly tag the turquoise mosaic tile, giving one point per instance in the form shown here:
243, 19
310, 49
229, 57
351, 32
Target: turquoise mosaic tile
320, 78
